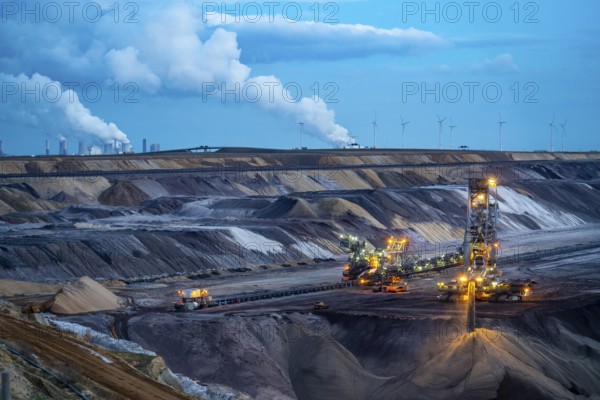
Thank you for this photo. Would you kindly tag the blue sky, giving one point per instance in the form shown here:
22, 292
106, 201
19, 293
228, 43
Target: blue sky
157, 70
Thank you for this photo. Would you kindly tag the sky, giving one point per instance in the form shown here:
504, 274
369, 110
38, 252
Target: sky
285, 74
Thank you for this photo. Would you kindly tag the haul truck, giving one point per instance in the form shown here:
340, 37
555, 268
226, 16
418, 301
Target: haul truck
193, 299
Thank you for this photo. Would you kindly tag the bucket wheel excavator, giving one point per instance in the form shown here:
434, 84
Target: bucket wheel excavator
372, 265
358, 256
480, 276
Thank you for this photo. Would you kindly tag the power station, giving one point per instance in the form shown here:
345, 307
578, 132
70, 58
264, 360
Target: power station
62, 147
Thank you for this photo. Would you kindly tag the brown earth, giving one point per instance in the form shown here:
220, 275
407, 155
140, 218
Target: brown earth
20, 288
55, 347
123, 194
83, 296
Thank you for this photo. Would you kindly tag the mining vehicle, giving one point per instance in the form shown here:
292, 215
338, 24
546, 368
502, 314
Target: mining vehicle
193, 299
392, 284
370, 267
480, 248
376, 272
371, 277
396, 254
361, 260
321, 305
358, 261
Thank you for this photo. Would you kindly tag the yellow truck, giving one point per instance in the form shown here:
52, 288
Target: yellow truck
193, 299
394, 284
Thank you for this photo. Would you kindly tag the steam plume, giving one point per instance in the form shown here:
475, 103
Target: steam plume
41, 102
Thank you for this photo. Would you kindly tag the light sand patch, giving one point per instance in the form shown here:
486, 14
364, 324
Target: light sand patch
245, 190
331, 208
83, 296
532, 156
373, 179
86, 190
301, 210
300, 181
123, 193
347, 179
24, 288
437, 232
472, 157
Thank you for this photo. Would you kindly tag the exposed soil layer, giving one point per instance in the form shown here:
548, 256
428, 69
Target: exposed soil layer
59, 349
147, 227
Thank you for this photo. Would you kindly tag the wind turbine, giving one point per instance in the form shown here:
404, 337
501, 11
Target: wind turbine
563, 128
301, 134
403, 126
441, 121
500, 123
375, 127
552, 134
451, 129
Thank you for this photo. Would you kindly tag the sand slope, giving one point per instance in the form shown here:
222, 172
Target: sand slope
314, 363
486, 365
82, 296
18, 288
123, 194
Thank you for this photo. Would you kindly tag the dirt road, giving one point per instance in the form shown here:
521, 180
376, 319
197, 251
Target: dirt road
112, 373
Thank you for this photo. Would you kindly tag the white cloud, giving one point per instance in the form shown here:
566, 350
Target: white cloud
501, 64
126, 67
171, 50
266, 41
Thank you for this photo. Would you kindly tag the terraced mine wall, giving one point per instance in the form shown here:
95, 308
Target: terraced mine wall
146, 216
